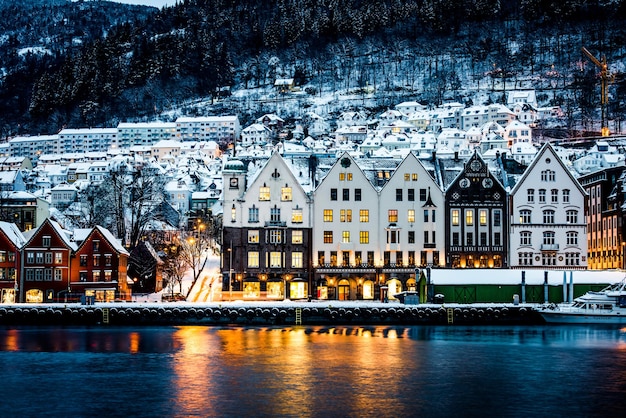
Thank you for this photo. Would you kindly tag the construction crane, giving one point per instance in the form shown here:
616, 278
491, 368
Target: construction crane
604, 82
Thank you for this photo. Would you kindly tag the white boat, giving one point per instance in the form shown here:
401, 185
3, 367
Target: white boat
608, 306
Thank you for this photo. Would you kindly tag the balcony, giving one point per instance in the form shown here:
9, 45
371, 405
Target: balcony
549, 247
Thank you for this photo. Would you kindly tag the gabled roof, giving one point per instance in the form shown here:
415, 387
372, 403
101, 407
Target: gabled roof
82, 238
12, 233
60, 232
547, 148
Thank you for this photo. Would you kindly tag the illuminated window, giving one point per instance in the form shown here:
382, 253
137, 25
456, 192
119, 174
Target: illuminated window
342, 176
285, 194
407, 176
58, 258
414, 177
296, 216
483, 216
95, 276
296, 259
275, 259
411, 215
297, 236
328, 237
469, 217
253, 259
328, 215
345, 237
364, 237
364, 215
253, 236
264, 193
345, 215
455, 217
392, 215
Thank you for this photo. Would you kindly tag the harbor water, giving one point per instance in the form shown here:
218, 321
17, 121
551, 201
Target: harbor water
346, 371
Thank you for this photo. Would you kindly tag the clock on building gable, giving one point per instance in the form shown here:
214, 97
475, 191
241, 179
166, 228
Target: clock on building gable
234, 182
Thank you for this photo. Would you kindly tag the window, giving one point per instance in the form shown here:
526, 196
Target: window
96, 246
548, 238
432, 216
275, 214
285, 194
548, 216
253, 236
364, 237
276, 236
524, 216
333, 194
414, 176
525, 259
455, 238
469, 239
425, 237
58, 258
58, 275
398, 195
46, 241
555, 195
565, 196
571, 216
425, 215
264, 193
392, 215
82, 276
483, 239
95, 276
357, 195
410, 195
411, 215
48, 258
296, 259
345, 215
482, 214
497, 218
364, 215
469, 217
297, 236
345, 195
276, 259
547, 175
393, 236
296, 216
525, 238
411, 239
253, 259
407, 176
107, 275
422, 195
345, 237
328, 237
455, 217
253, 214
107, 260
96, 260
572, 238
497, 239
531, 195
328, 215
542, 196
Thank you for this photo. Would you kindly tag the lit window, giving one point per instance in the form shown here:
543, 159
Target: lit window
345, 215
285, 194
364, 215
264, 193
469, 217
364, 237
328, 215
411, 215
393, 215
297, 237
328, 237
275, 259
296, 259
253, 259
345, 237
483, 216
296, 216
253, 236
455, 217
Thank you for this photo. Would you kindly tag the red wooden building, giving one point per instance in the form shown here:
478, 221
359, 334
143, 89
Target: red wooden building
11, 242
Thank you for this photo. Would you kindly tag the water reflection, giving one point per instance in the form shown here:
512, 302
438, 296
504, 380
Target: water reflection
316, 371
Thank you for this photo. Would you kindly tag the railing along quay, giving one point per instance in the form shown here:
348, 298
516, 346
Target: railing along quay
267, 314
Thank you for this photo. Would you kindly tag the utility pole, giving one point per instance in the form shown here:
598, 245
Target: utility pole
604, 82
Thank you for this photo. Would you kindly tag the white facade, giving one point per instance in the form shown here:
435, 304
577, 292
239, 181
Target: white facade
132, 134
547, 216
207, 128
87, 139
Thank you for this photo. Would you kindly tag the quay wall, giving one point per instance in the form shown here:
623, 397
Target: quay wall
251, 314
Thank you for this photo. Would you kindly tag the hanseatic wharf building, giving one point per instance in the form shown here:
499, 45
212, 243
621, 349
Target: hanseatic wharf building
350, 228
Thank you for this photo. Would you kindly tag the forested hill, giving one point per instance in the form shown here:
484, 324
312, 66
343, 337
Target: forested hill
95, 63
